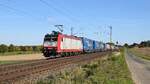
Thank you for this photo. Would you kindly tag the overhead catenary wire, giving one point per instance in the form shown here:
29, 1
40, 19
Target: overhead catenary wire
20, 11
58, 11
67, 11
64, 12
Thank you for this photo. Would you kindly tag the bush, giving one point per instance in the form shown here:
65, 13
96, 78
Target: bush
3, 48
12, 49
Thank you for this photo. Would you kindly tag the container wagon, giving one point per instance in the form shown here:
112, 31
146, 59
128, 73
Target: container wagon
102, 46
96, 46
87, 45
107, 47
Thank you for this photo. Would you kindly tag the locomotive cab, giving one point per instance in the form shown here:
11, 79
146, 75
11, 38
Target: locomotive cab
57, 44
50, 44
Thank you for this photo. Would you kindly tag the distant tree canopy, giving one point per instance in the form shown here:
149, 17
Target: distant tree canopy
134, 45
3, 48
126, 45
12, 48
144, 44
140, 45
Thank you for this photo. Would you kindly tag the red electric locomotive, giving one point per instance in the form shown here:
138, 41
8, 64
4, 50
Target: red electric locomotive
58, 44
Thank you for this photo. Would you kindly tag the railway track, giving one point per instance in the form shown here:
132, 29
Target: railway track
12, 73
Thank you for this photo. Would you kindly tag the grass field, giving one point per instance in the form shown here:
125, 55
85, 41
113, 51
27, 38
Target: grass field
141, 52
10, 62
112, 70
18, 53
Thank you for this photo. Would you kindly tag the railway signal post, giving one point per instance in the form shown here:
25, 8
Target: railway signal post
110, 37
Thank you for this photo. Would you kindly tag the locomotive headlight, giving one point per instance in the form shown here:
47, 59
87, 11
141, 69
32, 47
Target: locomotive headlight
46, 44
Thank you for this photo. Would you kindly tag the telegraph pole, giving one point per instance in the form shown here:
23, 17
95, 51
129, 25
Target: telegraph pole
110, 37
71, 30
110, 34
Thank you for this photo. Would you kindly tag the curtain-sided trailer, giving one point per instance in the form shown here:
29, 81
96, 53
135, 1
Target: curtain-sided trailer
87, 44
92, 45
98, 46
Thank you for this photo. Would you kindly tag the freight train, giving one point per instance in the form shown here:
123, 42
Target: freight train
57, 44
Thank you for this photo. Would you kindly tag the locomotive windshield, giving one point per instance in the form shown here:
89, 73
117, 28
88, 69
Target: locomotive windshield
50, 41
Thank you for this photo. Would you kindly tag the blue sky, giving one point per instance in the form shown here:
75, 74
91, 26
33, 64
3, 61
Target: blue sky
25, 22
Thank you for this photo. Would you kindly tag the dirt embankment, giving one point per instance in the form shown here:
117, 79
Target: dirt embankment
21, 57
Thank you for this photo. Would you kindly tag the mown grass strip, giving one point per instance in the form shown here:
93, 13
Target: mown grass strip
112, 70
10, 62
18, 53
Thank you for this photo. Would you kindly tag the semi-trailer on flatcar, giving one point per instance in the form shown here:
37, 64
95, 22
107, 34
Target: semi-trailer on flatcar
87, 45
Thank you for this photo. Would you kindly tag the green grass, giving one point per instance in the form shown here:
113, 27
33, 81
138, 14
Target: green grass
113, 70
140, 54
10, 62
18, 53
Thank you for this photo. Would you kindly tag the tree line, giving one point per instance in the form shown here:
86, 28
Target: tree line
140, 45
13, 48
